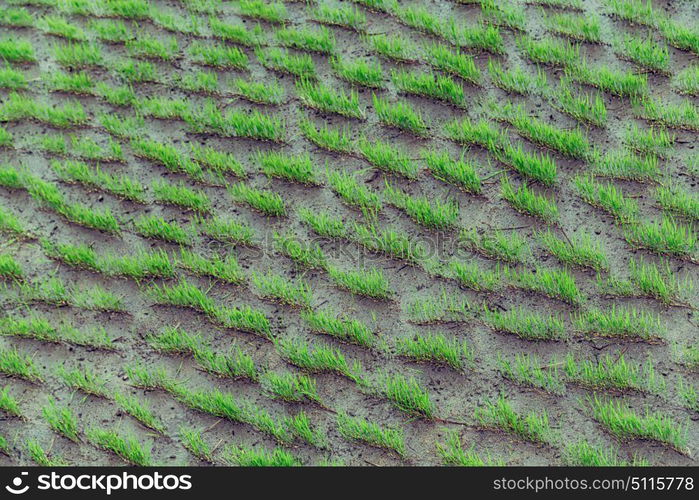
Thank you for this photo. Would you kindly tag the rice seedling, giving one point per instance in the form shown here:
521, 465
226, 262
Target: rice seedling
538, 167
139, 410
528, 202
360, 429
76, 83
78, 55
273, 12
581, 251
163, 108
620, 83
582, 107
667, 238
584, 28
235, 364
320, 40
16, 17
219, 56
6, 138
686, 81
340, 327
16, 51
127, 448
59, 26
622, 422
366, 282
8, 404
111, 31
298, 168
452, 452
148, 47
290, 387
482, 133
175, 340
400, 115
388, 158
583, 454
461, 173
202, 82
525, 324
636, 11
659, 281
421, 19
675, 199
407, 395
119, 185
436, 214
227, 270
41, 457
429, 85
122, 126
259, 92
267, 202
323, 98
557, 284
277, 288
348, 188
15, 364
247, 457
549, 51
41, 328
346, 17
300, 426
336, 140
500, 414
152, 226
154, 379
645, 53
194, 442
688, 395
17, 107
323, 223
606, 197
624, 164
483, 37
613, 373
436, 348
516, 80
307, 254
394, 47
389, 242
83, 379
471, 275
168, 156
318, 358
497, 245
12, 79
528, 370
181, 196
62, 420
462, 65
684, 115
235, 33
281, 61
227, 230
10, 224
182, 294
9, 268
687, 355
134, 71
441, 309
234, 123
678, 35
216, 161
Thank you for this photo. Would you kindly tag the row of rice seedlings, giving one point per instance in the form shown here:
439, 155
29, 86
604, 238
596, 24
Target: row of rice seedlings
264, 201
42, 457
365, 282
528, 370
650, 141
622, 422
9, 268
584, 454
122, 126
227, 230
435, 214
400, 115
684, 115
83, 379
82, 147
48, 196
431, 85
669, 237
392, 243
234, 364
11, 224
648, 279
298, 168
54, 291
613, 373
686, 81
17, 17
218, 56
436, 348
19, 107
193, 441
678, 35
636, 11
155, 227
79, 55
443, 308
687, 355
244, 456
127, 448
110, 31
516, 80
277, 288
583, 107
9, 404
273, 12
452, 453
94, 177
581, 251
625, 164
550, 51
606, 197
290, 387
168, 156
12, 79
679, 201
16, 364
59, 26
340, 327
318, 359
393, 47
336, 140
184, 294
139, 410
527, 201
500, 414
406, 394
236, 33
503, 14
323, 98
358, 72
307, 255
688, 395
482, 133
343, 16
388, 158
16, 51
6, 138
582, 28
180, 195
322, 223
40, 328
554, 283
471, 275
346, 185
461, 173
645, 53
225, 269
148, 47
616, 82
234, 123
321, 40
511, 248
282, 61
539, 167
360, 429
525, 324
456, 63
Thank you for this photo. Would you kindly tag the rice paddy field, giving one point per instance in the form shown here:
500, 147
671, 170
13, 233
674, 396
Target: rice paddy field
359, 233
